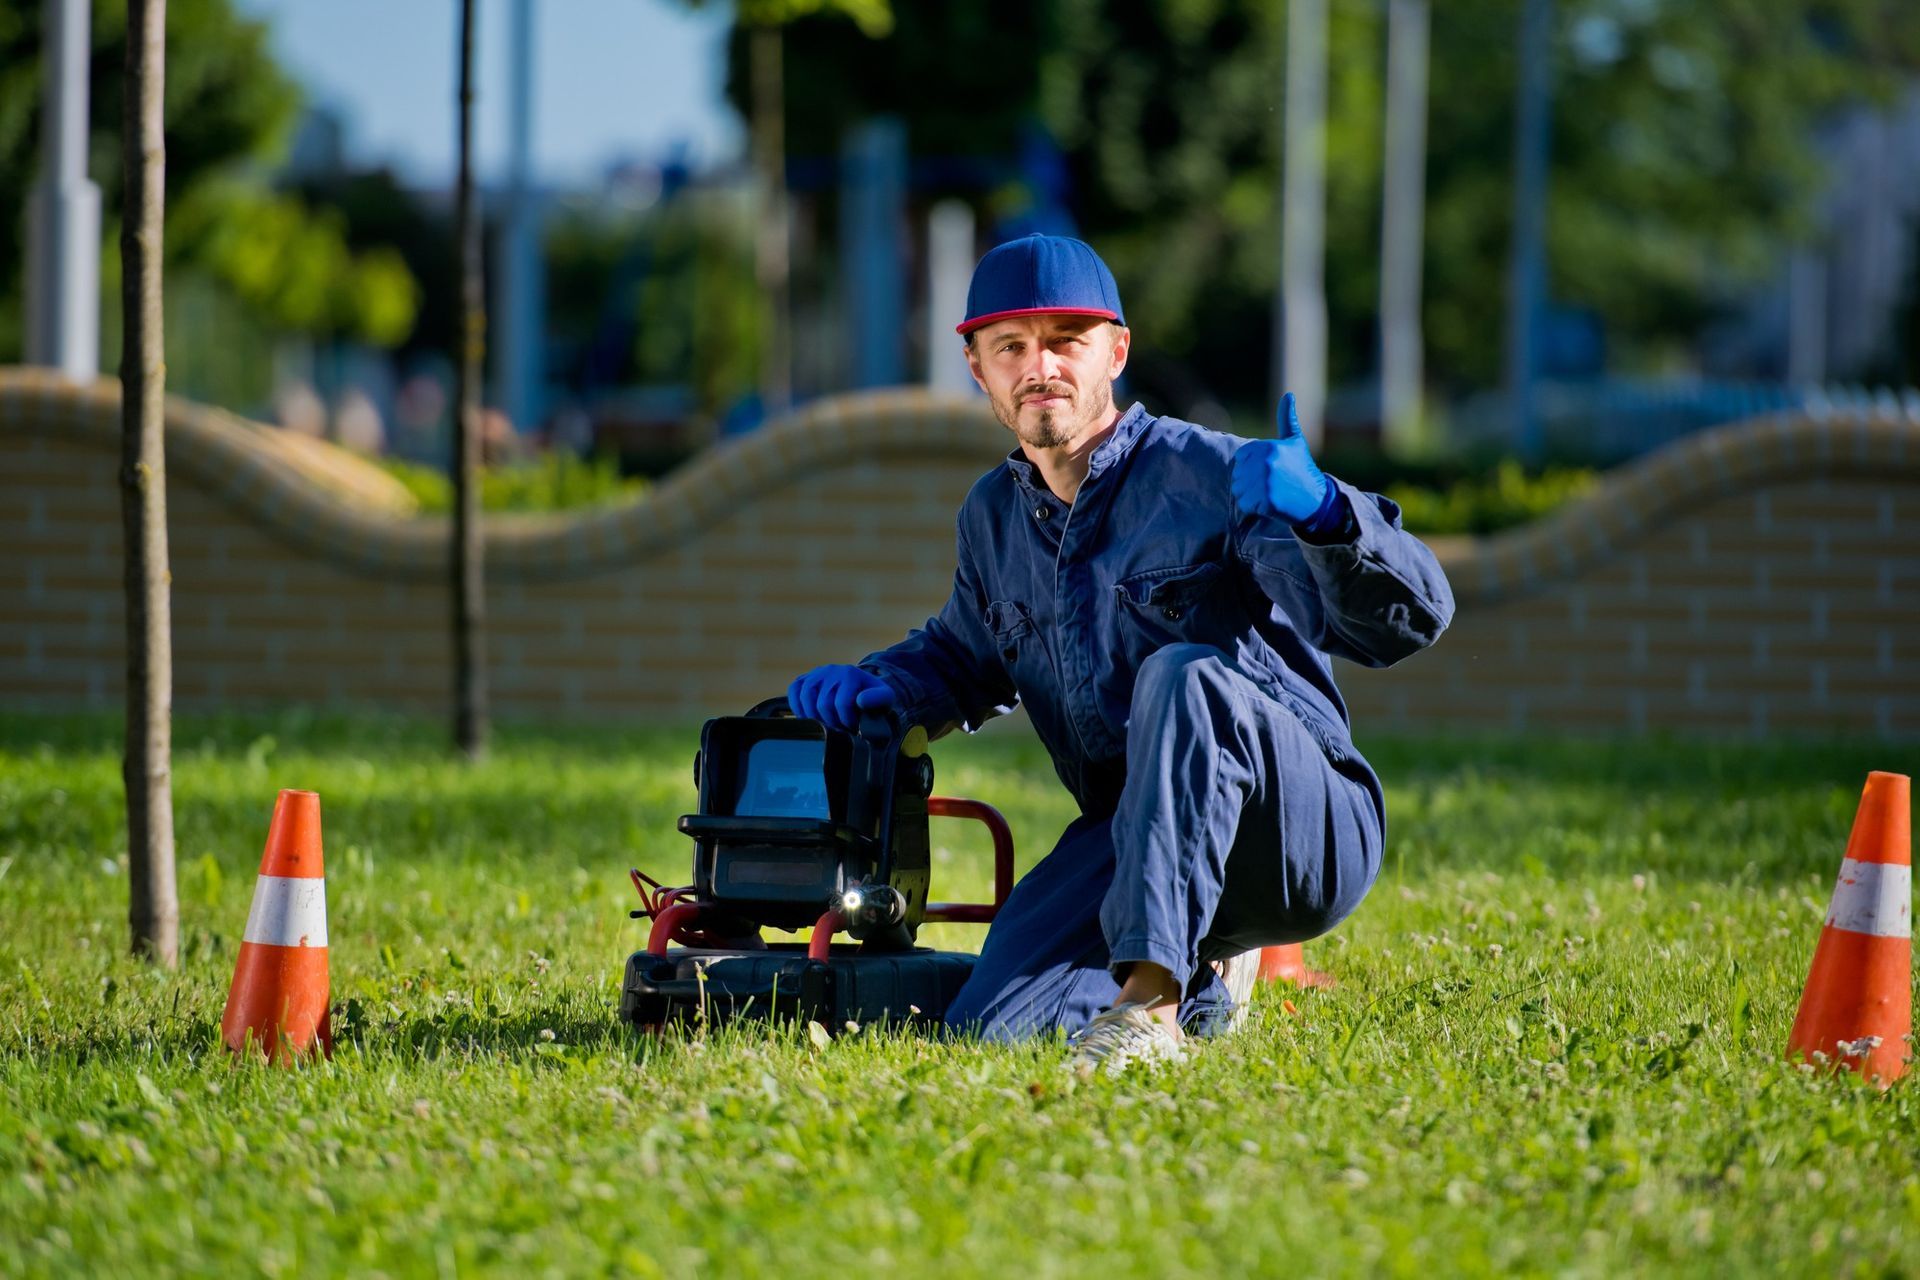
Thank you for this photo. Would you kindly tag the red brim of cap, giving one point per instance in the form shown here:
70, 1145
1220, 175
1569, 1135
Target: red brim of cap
968, 326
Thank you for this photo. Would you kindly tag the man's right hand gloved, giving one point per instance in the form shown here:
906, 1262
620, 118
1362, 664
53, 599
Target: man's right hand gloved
836, 694
1279, 477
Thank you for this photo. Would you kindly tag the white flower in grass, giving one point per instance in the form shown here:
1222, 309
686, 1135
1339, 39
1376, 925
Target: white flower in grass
1858, 1048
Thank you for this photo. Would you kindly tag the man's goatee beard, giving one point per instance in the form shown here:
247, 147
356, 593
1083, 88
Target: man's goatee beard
1043, 434
1048, 431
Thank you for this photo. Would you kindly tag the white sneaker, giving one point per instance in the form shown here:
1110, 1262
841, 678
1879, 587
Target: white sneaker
1121, 1036
1240, 973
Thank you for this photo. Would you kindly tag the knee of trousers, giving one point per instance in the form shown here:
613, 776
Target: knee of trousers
1179, 676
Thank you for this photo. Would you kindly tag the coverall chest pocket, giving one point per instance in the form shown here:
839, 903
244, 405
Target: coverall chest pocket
1011, 625
1181, 603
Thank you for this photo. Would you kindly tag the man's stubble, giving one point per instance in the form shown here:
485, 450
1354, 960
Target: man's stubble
1047, 430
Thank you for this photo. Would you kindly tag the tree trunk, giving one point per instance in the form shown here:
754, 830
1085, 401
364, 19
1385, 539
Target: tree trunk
147, 770
469, 577
771, 259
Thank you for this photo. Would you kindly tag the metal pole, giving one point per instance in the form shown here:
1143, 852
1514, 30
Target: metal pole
1302, 368
520, 363
950, 259
63, 220
1527, 269
873, 199
1807, 318
772, 258
1402, 224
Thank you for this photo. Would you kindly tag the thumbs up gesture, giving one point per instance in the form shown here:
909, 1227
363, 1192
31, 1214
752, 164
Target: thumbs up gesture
1279, 477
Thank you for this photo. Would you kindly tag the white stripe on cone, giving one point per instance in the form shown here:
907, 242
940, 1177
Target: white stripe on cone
1874, 898
288, 912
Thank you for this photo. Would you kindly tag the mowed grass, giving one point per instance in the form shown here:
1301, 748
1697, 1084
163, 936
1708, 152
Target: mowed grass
1555, 1046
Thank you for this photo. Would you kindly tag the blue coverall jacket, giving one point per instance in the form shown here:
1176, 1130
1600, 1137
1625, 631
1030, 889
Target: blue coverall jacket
1060, 606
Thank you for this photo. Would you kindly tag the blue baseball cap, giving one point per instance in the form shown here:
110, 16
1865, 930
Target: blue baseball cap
1040, 275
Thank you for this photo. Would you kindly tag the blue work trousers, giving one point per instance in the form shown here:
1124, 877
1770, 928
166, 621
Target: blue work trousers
1233, 831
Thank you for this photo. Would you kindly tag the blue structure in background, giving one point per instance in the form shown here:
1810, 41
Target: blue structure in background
873, 258
1042, 170
1607, 420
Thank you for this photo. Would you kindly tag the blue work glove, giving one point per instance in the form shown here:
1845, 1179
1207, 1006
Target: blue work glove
1279, 477
836, 694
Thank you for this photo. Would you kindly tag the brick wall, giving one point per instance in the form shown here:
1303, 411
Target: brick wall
1755, 579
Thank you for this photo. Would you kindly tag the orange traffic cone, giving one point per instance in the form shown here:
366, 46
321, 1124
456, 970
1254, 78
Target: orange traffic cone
1857, 1011
279, 998
1289, 964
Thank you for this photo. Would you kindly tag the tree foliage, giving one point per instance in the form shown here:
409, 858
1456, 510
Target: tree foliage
229, 113
1684, 138
962, 77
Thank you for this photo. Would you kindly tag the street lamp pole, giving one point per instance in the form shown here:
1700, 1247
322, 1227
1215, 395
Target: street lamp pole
63, 222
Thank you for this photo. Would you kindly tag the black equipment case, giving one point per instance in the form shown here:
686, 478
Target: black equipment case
804, 826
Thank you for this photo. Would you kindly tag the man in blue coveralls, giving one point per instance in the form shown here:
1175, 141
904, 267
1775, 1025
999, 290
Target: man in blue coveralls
1165, 600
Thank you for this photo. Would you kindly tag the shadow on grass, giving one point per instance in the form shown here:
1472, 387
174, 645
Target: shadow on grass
559, 1030
355, 732
603, 798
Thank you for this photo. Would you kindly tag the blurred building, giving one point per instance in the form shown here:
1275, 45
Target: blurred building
1832, 310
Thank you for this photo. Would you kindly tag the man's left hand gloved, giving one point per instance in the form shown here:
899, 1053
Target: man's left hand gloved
836, 694
1279, 477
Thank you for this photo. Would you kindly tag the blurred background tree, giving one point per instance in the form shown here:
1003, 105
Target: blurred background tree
241, 256
1684, 154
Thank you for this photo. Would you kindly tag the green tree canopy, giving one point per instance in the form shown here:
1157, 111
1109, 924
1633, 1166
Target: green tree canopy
1684, 152
229, 112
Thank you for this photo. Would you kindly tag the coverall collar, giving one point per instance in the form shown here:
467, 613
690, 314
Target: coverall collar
1119, 442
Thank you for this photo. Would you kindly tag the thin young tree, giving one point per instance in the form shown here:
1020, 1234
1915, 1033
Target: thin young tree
147, 768
469, 567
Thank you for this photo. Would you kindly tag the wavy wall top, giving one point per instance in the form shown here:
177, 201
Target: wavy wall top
327, 502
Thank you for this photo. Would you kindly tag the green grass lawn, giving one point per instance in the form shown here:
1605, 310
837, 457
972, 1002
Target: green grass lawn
1555, 1046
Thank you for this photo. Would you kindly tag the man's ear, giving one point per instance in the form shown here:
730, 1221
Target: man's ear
973, 367
1122, 344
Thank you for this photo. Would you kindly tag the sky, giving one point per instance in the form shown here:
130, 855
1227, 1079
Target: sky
612, 79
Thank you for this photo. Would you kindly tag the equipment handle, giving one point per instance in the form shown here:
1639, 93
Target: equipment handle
996, 824
674, 917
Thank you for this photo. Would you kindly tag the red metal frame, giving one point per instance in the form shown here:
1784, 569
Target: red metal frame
667, 923
980, 811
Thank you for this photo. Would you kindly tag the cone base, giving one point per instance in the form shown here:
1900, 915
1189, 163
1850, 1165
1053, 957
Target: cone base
278, 1003
1860, 985
1289, 964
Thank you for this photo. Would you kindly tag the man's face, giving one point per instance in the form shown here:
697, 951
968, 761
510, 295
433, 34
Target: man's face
1050, 377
